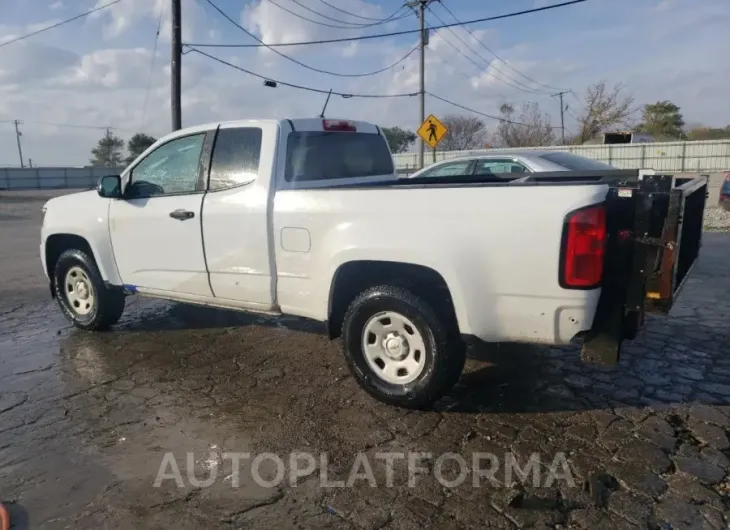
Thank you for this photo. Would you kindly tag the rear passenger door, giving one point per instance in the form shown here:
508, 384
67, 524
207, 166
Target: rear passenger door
235, 216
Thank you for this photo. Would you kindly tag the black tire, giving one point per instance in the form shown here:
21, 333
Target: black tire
109, 304
445, 351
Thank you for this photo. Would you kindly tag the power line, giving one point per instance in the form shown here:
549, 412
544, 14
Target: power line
301, 87
451, 64
152, 63
481, 67
68, 125
516, 84
87, 13
355, 24
391, 34
295, 61
304, 64
360, 16
495, 54
325, 23
491, 116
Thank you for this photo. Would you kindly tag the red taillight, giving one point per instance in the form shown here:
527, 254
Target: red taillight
584, 245
338, 125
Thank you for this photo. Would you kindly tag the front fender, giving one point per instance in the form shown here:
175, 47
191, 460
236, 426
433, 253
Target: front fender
85, 215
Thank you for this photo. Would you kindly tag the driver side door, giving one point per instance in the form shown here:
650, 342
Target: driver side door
156, 227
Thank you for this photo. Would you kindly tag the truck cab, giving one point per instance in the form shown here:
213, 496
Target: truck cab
146, 227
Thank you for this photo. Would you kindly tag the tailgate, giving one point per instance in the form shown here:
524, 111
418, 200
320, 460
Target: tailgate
672, 247
654, 237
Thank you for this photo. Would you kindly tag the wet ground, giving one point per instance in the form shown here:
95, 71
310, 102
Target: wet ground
176, 418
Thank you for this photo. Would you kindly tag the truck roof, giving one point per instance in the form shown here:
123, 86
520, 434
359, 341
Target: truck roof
300, 124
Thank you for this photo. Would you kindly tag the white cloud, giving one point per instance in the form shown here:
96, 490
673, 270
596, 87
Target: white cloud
111, 68
30, 63
277, 22
677, 54
121, 18
11, 32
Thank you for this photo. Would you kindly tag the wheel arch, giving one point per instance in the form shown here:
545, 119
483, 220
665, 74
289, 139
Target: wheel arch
57, 243
353, 277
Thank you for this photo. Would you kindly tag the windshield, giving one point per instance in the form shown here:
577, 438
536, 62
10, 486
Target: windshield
336, 155
575, 162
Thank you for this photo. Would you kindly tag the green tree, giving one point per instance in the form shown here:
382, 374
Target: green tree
108, 151
399, 139
137, 144
662, 119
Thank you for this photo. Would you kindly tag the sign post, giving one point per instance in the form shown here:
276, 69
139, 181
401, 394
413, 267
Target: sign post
432, 131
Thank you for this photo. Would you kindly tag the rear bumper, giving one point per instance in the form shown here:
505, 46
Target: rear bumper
554, 321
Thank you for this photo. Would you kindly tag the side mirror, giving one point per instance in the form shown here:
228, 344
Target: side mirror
110, 187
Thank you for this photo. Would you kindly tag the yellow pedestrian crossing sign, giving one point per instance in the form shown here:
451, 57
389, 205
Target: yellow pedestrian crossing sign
432, 131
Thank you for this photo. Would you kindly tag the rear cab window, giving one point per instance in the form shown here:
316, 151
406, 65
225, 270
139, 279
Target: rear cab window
332, 150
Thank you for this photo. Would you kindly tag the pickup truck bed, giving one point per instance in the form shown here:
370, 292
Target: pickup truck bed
307, 217
654, 234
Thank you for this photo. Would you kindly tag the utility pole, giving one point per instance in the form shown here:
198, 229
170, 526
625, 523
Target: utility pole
108, 147
562, 109
421, 5
18, 134
176, 66
422, 74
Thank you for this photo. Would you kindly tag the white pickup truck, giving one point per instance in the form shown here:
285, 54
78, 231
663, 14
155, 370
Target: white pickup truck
307, 217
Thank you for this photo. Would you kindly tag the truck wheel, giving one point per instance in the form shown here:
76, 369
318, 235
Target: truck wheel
82, 295
398, 349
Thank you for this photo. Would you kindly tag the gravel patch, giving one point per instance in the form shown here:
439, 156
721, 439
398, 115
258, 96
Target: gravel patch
717, 220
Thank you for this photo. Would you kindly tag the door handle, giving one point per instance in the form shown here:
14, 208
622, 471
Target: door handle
182, 214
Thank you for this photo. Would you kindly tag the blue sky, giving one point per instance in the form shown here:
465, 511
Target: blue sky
96, 71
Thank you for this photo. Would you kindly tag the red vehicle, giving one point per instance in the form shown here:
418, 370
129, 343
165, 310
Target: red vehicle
725, 193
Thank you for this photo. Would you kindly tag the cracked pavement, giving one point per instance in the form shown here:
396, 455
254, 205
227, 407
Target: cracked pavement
86, 418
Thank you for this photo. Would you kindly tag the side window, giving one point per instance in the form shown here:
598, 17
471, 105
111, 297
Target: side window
491, 166
236, 157
448, 170
171, 168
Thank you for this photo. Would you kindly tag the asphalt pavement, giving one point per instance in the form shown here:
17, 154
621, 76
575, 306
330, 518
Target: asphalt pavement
184, 417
